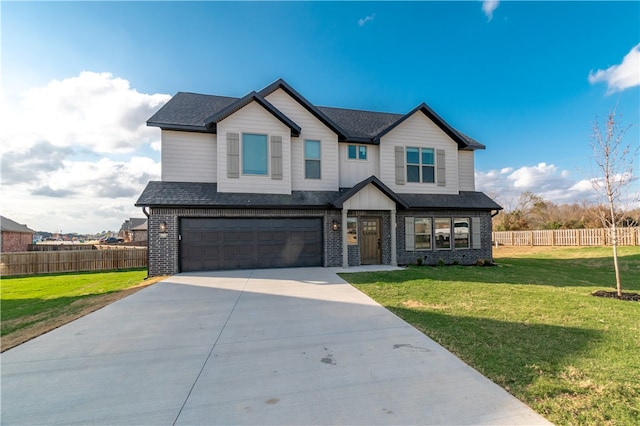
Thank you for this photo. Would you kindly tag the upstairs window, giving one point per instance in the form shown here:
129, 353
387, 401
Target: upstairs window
311, 159
420, 165
255, 156
357, 152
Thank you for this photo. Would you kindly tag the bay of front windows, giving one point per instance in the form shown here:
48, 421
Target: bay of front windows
436, 233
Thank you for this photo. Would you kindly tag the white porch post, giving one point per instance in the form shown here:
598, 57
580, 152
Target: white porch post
394, 261
345, 247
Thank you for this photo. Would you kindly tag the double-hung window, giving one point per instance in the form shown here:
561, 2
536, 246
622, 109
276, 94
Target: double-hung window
422, 226
420, 165
357, 152
312, 159
255, 154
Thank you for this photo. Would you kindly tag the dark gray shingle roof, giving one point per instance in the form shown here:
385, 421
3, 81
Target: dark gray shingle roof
8, 225
465, 200
189, 111
195, 194
192, 111
360, 124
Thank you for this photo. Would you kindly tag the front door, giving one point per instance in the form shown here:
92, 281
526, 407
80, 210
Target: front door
370, 241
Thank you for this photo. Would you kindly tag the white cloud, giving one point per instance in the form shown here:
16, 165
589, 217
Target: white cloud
62, 151
366, 19
622, 76
559, 186
94, 111
488, 6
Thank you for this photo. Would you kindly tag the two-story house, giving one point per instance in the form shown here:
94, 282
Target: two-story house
271, 180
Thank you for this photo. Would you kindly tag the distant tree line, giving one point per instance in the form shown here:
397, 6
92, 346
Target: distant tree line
534, 212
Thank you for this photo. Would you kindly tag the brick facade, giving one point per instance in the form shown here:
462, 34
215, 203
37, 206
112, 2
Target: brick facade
16, 241
449, 256
164, 249
164, 253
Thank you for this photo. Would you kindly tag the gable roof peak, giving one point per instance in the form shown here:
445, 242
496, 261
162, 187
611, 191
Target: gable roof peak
281, 84
463, 142
253, 96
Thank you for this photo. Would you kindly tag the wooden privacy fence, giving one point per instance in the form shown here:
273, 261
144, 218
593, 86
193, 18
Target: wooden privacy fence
28, 263
566, 237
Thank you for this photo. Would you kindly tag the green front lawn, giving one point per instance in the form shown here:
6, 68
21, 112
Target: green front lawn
532, 326
35, 300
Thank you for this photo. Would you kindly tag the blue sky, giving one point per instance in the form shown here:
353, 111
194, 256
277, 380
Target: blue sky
526, 79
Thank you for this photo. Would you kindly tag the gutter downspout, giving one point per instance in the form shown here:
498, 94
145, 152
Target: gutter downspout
495, 214
146, 213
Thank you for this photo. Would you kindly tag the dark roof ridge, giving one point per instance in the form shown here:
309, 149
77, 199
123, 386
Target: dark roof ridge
281, 84
361, 110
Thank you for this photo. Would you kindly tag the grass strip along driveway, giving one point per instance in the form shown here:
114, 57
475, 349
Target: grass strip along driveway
532, 326
34, 305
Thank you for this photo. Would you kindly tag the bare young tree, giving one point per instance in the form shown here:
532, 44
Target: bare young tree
614, 162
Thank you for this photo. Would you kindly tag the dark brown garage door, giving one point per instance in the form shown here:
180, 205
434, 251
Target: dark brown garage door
242, 243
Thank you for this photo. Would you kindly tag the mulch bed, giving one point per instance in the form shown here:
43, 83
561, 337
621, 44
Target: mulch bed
633, 297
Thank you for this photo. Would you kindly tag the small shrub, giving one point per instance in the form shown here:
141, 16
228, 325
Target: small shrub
419, 261
441, 262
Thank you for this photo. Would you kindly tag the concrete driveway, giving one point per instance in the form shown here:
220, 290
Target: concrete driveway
280, 346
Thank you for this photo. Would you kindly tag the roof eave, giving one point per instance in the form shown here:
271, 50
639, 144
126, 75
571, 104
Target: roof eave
183, 127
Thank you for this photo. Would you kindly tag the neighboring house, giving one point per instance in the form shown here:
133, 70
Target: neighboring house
139, 232
126, 230
14, 236
271, 180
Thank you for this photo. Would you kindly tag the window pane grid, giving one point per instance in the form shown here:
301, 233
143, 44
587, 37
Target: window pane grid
420, 165
357, 152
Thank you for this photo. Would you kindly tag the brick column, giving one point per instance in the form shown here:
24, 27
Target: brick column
394, 261
345, 247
